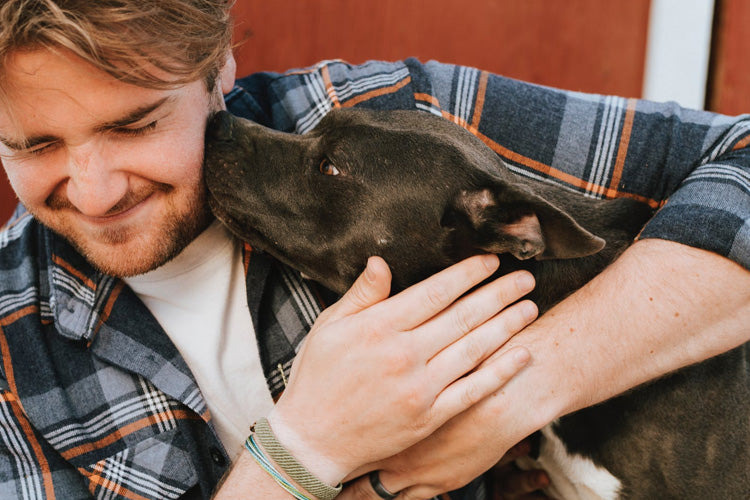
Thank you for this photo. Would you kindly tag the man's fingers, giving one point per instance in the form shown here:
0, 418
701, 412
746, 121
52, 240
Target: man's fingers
419, 303
469, 351
469, 390
475, 309
371, 287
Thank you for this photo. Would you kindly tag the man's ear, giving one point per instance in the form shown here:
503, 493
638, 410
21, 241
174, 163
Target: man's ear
228, 73
504, 219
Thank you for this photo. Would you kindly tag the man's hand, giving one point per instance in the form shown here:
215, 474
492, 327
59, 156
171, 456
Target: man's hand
660, 307
505, 481
376, 374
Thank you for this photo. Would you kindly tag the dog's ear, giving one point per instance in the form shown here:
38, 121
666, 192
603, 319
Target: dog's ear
514, 220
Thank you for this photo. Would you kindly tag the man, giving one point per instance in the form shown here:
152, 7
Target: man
112, 309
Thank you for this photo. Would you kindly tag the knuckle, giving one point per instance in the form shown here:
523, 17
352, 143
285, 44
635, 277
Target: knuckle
422, 414
413, 400
399, 362
462, 319
471, 393
358, 295
438, 296
473, 350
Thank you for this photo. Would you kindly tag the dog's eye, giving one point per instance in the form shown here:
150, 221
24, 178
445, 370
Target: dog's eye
327, 168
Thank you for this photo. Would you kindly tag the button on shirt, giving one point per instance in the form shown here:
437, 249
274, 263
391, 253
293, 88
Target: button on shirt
96, 400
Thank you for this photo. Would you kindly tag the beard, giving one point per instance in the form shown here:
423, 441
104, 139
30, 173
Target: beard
128, 249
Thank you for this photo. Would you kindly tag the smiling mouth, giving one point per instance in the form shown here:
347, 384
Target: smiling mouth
132, 201
118, 212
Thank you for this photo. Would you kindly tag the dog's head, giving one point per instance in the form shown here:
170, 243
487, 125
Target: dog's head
413, 188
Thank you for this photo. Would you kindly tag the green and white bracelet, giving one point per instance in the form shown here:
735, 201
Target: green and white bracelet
287, 463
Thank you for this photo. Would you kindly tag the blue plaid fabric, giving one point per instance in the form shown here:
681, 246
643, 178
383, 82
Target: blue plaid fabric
95, 401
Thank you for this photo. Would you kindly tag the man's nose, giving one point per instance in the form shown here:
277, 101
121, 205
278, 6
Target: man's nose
94, 184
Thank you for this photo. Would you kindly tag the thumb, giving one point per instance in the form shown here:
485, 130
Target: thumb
371, 287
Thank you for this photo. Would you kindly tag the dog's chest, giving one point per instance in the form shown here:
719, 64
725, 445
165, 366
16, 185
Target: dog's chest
573, 477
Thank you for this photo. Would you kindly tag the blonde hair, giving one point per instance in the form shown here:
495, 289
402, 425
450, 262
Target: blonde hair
186, 39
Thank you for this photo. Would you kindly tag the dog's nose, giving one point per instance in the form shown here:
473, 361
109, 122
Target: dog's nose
219, 127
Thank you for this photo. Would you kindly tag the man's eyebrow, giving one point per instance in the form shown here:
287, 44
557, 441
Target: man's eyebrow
28, 143
132, 117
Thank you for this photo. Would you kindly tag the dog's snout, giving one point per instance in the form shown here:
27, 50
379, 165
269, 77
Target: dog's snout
219, 127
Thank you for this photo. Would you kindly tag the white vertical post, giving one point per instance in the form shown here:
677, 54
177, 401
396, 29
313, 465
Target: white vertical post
678, 50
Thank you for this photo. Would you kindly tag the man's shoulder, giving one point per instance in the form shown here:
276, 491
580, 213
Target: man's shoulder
17, 237
294, 101
23, 260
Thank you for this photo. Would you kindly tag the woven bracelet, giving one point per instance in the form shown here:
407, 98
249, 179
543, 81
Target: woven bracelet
290, 466
266, 465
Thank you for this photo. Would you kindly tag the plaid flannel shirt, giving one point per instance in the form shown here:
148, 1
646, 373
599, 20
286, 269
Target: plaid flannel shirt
95, 401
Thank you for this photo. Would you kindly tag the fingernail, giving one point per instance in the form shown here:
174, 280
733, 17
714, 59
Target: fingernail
491, 261
529, 310
369, 273
525, 282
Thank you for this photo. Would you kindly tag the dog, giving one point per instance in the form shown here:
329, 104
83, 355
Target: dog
424, 193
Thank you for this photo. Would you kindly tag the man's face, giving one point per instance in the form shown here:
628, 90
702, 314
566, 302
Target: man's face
114, 168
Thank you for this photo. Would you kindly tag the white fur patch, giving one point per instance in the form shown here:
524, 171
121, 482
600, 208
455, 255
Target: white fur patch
573, 477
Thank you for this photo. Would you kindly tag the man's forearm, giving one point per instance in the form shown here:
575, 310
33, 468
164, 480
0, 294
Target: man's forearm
661, 306
247, 480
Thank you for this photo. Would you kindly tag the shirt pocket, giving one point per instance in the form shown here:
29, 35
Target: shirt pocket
154, 468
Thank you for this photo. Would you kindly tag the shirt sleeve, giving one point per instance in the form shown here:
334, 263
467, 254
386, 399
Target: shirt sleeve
692, 166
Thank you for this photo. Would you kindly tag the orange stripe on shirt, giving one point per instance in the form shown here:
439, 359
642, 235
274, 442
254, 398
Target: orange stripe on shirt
107, 310
18, 412
479, 101
96, 479
120, 432
430, 99
330, 91
377, 93
247, 251
741, 143
622, 149
549, 171
75, 272
26, 311
21, 217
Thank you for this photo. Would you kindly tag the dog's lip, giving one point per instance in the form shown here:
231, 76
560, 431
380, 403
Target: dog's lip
225, 217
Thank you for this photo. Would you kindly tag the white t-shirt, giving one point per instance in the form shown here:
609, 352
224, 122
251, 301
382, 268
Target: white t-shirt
200, 300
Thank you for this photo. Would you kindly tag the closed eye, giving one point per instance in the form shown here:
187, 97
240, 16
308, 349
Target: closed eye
328, 168
135, 132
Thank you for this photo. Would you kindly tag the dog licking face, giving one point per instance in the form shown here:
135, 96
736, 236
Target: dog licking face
413, 188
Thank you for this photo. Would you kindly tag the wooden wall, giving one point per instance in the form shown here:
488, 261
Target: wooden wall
729, 74
585, 45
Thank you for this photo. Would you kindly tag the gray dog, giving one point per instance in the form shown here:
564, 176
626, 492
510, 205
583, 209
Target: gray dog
423, 193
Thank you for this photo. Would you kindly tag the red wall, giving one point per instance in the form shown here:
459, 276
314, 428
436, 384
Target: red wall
587, 45
729, 78
7, 200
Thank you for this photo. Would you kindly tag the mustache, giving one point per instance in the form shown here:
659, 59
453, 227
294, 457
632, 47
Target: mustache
58, 201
